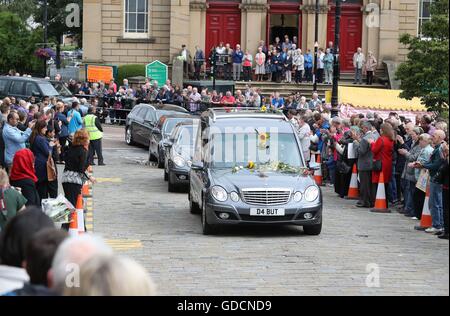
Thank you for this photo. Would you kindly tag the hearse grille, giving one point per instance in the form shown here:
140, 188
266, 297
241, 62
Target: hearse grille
266, 196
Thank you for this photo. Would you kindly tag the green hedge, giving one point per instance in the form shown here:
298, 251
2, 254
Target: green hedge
127, 71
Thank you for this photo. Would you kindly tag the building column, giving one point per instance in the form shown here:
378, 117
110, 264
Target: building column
254, 17
198, 25
308, 23
371, 28
179, 26
92, 31
389, 30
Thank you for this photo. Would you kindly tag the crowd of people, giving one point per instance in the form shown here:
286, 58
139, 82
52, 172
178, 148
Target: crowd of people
409, 158
34, 138
282, 61
114, 98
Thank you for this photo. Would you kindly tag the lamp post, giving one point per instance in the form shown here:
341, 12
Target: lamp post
316, 44
45, 34
336, 68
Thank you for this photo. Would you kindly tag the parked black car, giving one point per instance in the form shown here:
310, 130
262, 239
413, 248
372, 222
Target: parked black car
179, 153
143, 118
248, 168
161, 133
24, 88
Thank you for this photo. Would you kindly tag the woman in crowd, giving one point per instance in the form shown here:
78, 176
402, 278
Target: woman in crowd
64, 129
424, 155
42, 150
287, 67
247, 64
299, 65
277, 66
76, 165
344, 165
260, 59
328, 66
11, 200
23, 176
382, 150
371, 66
408, 173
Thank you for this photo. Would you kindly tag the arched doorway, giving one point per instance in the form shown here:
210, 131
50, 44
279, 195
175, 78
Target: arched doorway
284, 18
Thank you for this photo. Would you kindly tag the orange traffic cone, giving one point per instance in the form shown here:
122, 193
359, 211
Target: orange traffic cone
380, 201
73, 227
80, 214
425, 221
85, 190
318, 172
353, 191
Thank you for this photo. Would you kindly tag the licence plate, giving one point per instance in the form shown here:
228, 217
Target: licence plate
267, 212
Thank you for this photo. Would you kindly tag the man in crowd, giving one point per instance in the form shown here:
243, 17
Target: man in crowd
433, 165
199, 60
186, 55
76, 122
14, 138
95, 130
315, 102
358, 63
238, 55
365, 164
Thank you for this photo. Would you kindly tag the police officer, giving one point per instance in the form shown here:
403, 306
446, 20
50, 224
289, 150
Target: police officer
95, 130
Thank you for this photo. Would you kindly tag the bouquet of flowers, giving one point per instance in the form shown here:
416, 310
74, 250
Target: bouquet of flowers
58, 209
45, 53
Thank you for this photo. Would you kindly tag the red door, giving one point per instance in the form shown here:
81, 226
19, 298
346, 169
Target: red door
351, 34
223, 24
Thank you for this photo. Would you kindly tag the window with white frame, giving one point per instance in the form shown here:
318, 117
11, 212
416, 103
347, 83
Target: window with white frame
136, 18
424, 14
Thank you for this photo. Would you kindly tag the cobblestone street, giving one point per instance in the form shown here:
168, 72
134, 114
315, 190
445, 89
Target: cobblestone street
135, 213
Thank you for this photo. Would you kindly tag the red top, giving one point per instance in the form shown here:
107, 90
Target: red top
382, 150
228, 100
23, 166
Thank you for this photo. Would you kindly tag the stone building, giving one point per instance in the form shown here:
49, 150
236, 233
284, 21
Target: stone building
139, 31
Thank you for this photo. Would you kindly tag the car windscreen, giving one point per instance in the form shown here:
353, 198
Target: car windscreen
230, 150
171, 123
62, 90
187, 136
48, 90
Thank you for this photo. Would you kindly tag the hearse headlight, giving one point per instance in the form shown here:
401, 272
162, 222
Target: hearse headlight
219, 193
234, 197
179, 161
311, 193
298, 196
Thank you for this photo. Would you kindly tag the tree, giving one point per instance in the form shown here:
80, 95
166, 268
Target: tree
425, 73
17, 44
23, 8
58, 19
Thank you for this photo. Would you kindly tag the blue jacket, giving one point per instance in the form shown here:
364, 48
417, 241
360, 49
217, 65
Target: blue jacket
14, 140
76, 123
64, 126
237, 57
278, 103
41, 149
325, 125
308, 61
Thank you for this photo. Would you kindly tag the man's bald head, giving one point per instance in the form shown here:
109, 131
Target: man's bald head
438, 137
